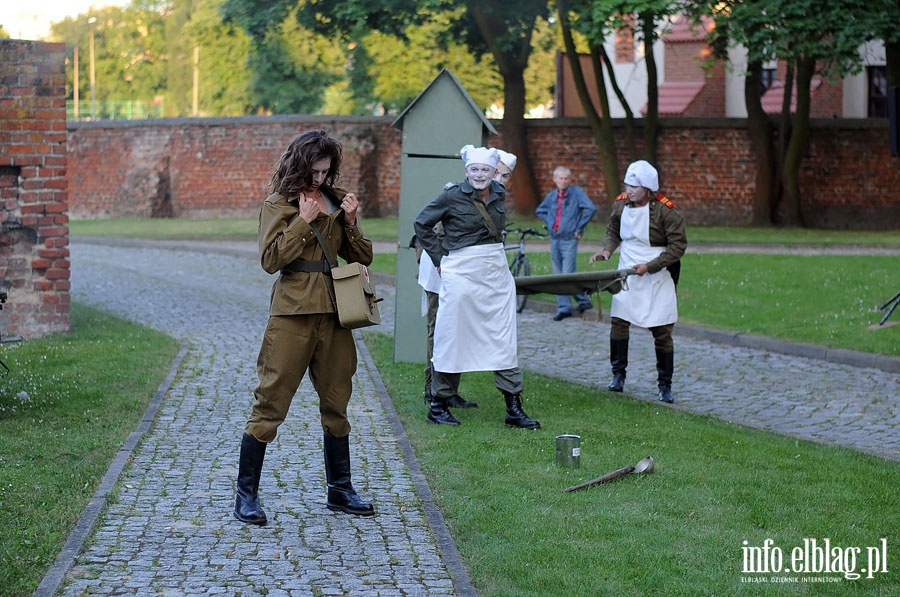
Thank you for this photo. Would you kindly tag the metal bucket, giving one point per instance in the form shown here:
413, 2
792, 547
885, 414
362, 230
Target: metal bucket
568, 451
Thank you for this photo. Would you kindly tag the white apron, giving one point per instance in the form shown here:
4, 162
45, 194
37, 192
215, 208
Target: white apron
429, 279
476, 318
649, 300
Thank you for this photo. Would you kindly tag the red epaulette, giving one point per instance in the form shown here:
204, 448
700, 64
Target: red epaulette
622, 197
665, 201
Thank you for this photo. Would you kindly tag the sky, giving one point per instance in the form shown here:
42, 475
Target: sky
30, 19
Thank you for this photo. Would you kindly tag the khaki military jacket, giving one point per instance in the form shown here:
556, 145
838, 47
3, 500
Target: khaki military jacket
667, 229
284, 237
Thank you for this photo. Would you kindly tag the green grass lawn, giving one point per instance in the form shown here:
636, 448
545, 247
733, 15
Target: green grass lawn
386, 229
73, 398
66, 407
677, 531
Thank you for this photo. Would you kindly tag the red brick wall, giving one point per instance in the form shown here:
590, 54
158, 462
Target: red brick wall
218, 167
34, 254
215, 167
848, 179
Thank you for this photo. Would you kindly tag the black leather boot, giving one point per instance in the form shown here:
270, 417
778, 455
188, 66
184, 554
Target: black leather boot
618, 358
457, 401
439, 412
246, 502
515, 416
341, 495
665, 367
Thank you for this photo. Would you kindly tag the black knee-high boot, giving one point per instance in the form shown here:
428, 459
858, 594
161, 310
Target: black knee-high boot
439, 411
246, 502
618, 358
515, 416
341, 495
665, 368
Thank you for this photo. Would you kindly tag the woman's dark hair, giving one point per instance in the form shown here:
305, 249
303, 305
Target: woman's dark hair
293, 172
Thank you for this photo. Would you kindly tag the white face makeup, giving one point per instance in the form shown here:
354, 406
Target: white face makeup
503, 174
480, 175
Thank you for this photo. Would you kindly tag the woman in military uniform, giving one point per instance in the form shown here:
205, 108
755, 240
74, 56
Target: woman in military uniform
303, 332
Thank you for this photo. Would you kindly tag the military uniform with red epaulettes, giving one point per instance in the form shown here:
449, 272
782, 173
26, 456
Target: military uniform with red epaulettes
666, 230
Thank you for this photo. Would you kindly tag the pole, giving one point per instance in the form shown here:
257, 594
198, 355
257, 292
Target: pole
91, 21
195, 109
75, 94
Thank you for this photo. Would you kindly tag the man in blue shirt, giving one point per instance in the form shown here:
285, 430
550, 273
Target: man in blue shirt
566, 211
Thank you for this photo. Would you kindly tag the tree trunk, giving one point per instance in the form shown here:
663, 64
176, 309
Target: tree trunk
511, 56
515, 139
793, 214
605, 143
620, 95
651, 120
611, 170
785, 123
892, 61
761, 132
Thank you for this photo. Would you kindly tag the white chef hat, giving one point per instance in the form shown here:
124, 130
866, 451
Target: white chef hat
479, 155
508, 159
642, 174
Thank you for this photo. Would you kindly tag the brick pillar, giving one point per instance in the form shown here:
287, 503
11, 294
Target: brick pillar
34, 233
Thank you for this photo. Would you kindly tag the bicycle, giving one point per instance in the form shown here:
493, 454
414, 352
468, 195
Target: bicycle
520, 265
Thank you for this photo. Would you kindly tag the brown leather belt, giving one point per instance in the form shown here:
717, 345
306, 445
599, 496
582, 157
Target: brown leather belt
305, 265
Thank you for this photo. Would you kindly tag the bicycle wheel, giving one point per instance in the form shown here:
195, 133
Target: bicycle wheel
521, 267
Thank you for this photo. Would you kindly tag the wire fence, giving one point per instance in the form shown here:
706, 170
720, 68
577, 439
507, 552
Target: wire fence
114, 110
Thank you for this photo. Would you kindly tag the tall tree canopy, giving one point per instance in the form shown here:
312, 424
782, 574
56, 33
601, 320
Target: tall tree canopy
135, 33
811, 38
500, 28
136, 61
290, 67
595, 21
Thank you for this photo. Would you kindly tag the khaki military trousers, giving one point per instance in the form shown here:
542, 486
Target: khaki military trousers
293, 344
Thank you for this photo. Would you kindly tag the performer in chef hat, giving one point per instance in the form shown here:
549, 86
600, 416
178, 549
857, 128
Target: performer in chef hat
475, 327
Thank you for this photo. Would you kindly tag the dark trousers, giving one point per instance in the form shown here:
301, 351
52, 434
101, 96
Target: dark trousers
431, 301
446, 385
662, 335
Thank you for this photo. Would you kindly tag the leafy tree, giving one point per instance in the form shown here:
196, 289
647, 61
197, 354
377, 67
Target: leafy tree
224, 90
540, 76
595, 21
500, 28
402, 68
290, 67
129, 55
812, 39
134, 61
179, 49
600, 122
505, 29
